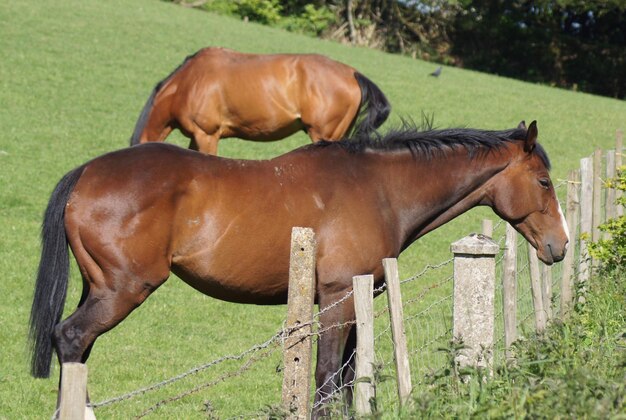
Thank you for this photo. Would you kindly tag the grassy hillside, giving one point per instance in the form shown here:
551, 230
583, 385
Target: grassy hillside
74, 76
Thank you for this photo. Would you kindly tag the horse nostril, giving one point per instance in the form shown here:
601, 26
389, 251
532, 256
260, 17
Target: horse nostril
559, 257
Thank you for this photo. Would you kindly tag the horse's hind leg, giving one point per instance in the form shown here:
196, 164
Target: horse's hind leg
101, 310
334, 122
331, 129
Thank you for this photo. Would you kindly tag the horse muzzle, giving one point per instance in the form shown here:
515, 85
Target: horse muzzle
552, 252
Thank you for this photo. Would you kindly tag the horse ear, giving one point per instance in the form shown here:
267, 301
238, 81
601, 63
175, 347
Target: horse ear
531, 137
522, 125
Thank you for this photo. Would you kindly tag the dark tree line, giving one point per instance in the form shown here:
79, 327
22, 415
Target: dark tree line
573, 44
567, 43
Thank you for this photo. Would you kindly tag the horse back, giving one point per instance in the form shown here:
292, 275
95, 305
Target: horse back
258, 96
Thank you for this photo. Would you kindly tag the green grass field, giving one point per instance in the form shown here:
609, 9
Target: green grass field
74, 76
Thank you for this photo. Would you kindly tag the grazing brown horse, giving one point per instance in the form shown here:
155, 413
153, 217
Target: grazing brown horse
223, 226
220, 93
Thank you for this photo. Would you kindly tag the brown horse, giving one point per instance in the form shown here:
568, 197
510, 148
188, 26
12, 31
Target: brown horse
223, 226
219, 93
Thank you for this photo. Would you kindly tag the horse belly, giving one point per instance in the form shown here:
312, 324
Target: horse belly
261, 118
264, 131
236, 276
261, 103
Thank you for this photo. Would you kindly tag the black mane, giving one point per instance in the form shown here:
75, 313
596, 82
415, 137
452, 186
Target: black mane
430, 142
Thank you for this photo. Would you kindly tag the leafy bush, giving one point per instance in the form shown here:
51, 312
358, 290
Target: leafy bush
308, 19
266, 12
313, 21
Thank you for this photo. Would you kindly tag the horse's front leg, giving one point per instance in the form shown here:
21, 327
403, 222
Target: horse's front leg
335, 353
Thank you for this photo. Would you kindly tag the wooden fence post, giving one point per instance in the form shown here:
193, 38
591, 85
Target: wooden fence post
546, 283
619, 158
597, 196
297, 346
488, 227
509, 286
473, 306
536, 289
73, 391
403, 369
363, 287
586, 220
611, 207
572, 213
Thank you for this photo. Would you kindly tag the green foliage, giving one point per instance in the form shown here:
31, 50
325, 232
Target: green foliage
612, 251
266, 12
567, 43
312, 21
307, 19
262, 11
223, 7
574, 370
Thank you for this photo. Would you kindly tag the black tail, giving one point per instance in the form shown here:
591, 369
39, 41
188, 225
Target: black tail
374, 108
52, 277
145, 112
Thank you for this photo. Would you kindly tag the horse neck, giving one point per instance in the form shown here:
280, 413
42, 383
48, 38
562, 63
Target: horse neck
428, 193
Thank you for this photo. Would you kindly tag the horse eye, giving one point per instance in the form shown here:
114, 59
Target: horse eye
545, 183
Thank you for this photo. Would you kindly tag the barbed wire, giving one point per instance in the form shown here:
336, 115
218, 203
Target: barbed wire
267, 351
429, 307
280, 335
190, 372
427, 268
331, 379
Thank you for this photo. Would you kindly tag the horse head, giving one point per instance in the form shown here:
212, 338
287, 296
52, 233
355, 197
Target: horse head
523, 195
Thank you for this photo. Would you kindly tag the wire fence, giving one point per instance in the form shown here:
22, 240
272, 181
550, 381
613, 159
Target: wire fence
427, 305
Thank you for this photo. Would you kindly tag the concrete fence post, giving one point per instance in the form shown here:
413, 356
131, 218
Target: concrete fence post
298, 345
473, 306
